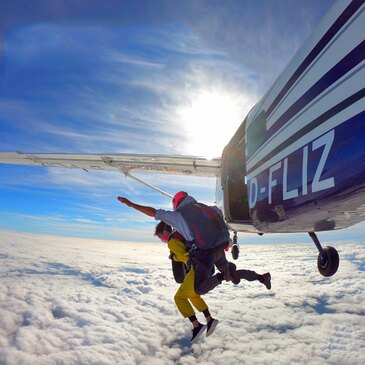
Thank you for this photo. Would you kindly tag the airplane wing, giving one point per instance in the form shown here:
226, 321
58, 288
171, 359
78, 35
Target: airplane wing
168, 164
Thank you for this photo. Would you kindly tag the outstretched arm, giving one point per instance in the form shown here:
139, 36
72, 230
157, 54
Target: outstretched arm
141, 208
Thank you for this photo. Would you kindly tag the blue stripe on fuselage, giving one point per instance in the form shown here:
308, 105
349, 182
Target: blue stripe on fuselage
351, 60
294, 201
328, 36
310, 126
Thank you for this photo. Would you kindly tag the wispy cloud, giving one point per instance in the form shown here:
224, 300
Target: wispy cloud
120, 57
112, 97
120, 227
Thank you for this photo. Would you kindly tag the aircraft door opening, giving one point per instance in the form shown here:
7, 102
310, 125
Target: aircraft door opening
234, 182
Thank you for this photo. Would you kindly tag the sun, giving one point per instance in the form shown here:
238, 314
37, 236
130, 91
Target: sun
210, 120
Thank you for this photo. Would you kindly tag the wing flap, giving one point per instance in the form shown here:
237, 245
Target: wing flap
168, 164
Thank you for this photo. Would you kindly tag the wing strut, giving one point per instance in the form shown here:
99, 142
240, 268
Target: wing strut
127, 174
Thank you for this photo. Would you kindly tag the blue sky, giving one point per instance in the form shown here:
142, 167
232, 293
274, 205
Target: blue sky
165, 77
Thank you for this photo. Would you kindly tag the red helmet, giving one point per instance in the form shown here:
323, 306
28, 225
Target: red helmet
178, 198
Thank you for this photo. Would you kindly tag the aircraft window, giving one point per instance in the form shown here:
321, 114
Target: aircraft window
256, 133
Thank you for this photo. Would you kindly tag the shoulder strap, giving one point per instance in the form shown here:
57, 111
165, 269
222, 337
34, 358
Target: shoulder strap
178, 236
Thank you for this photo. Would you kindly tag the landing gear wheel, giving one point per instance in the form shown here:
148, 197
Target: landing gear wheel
235, 252
235, 249
328, 261
179, 271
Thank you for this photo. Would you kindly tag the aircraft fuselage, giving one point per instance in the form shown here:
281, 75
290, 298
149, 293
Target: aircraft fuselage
300, 153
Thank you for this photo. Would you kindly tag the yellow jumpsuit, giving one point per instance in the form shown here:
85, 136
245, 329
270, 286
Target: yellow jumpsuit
186, 290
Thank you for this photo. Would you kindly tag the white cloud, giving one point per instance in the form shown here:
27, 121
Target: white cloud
77, 301
120, 57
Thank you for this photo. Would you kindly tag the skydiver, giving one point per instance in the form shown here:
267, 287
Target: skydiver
203, 260
186, 292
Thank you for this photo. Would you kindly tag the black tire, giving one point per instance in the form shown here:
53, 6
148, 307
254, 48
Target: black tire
179, 271
235, 252
328, 261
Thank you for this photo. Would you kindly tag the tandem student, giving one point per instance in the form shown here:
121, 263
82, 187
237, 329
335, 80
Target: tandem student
186, 297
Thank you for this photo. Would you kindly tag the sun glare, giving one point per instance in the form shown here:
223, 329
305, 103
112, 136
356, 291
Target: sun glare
210, 120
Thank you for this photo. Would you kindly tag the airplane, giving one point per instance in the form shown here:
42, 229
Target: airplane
297, 161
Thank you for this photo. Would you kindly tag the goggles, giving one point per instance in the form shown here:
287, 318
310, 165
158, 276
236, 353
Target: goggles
163, 237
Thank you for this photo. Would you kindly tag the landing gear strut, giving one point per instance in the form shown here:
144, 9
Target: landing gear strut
235, 248
328, 259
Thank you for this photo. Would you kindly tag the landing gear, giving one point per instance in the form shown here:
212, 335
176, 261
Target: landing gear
235, 248
328, 259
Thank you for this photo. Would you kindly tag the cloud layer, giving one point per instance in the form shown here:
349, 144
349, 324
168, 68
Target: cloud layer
78, 301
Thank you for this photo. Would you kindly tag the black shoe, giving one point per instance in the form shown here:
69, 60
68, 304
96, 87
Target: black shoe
211, 325
267, 280
197, 331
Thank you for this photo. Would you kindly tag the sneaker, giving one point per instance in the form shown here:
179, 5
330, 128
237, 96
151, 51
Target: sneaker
231, 274
211, 325
267, 280
197, 331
